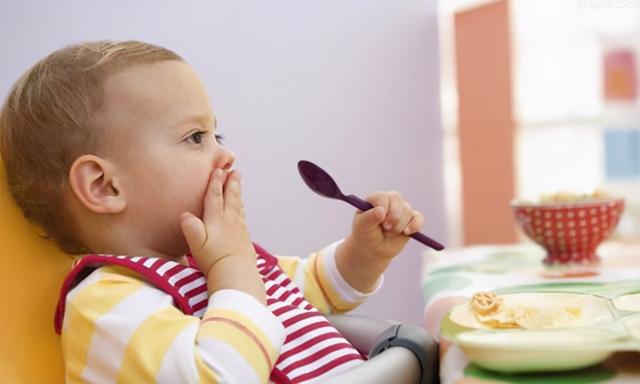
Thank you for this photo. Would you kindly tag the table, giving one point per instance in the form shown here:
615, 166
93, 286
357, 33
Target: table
453, 275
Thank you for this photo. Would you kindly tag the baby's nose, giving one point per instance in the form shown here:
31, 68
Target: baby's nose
225, 161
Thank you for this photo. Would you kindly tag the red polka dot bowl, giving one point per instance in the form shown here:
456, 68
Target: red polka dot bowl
569, 231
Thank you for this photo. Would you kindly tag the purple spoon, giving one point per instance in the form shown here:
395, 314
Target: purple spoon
323, 184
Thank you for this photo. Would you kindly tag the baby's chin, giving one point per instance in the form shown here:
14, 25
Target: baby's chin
174, 250
183, 250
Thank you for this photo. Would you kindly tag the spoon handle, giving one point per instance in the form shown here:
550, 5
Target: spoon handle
364, 205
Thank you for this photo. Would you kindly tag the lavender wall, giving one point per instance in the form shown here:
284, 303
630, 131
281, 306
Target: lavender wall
352, 85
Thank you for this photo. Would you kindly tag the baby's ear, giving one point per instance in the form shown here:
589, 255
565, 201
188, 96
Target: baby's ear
93, 182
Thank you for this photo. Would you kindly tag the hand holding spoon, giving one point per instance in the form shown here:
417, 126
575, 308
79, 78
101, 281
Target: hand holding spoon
323, 184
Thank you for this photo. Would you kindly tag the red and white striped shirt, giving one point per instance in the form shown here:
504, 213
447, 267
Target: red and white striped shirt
232, 337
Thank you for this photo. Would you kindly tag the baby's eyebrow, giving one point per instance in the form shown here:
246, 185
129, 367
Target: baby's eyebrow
203, 120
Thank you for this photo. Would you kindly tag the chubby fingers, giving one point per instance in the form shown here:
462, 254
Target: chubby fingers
214, 196
400, 216
233, 193
415, 224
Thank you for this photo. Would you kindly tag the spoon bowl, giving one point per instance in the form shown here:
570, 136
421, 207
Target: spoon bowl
318, 180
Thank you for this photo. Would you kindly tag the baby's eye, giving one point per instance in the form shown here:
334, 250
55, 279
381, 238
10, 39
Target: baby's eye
196, 137
219, 138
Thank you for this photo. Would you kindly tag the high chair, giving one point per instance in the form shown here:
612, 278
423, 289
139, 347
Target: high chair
34, 269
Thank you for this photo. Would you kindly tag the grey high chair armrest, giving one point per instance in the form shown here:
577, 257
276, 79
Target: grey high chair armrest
398, 353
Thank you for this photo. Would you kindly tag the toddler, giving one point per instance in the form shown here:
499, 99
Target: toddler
113, 148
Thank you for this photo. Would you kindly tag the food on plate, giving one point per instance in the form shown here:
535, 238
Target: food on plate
534, 311
485, 303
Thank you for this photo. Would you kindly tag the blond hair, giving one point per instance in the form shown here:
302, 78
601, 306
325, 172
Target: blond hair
46, 123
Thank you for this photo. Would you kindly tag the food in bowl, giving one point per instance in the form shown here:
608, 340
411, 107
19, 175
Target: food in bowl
570, 197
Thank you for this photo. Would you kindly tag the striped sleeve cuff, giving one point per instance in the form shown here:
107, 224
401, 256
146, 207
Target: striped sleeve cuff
248, 327
348, 296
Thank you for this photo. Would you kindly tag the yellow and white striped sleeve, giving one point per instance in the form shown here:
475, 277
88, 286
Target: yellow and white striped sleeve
322, 284
117, 328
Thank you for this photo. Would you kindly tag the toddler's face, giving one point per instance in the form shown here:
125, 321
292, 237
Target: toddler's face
162, 142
